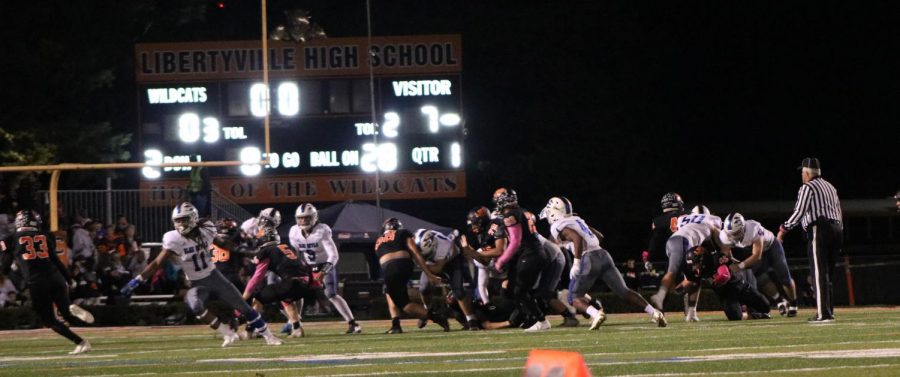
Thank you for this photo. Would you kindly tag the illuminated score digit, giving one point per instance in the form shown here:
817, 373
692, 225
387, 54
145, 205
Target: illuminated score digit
189, 128
152, 157
391, 124
288, 99
455, 155
382, 157
436, 119
251, 156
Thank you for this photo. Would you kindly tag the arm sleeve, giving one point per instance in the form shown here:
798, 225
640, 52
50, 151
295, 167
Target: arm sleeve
258, 275
515, 240
329, 246
803, 199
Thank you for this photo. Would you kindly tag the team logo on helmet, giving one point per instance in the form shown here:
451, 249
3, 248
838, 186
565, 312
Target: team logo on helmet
27, 219
268, 218
734, 226
425, 240
557, 208
671, 200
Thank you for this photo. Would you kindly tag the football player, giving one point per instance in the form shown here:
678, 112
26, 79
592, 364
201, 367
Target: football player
486, 240
314, 242
735, 287
295, 279
229, 261
591, 262
34, 251
524, 256
189, 244
442, 256
766, 254
546, 289
665, 224
397, 251
692, 230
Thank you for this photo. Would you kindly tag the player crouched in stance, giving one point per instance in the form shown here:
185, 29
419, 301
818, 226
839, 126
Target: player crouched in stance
442, 256
294, 281
34, 252
716, 270
189, 244
397, 251
591, 262
313, 241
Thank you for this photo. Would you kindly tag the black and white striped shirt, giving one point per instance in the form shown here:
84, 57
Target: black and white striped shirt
816, 199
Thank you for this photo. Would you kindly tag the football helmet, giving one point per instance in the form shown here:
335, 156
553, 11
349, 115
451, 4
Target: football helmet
504, 198
308, 212
478, 218
227, 227
734, 226
27, 219
392, 223
267, 236
185, 218
700, 209
268, 218
425, 240
557, 208
671, 200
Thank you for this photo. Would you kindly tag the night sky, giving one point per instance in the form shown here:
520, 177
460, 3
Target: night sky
614, 104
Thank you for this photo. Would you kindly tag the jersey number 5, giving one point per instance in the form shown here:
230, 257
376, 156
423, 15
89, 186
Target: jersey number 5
29, 242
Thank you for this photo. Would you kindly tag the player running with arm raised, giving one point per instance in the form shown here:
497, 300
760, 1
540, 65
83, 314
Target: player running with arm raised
189, 244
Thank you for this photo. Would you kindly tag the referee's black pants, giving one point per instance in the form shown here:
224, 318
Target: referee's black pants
824, 239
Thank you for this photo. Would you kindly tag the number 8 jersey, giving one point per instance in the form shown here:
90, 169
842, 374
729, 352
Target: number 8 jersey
192, 253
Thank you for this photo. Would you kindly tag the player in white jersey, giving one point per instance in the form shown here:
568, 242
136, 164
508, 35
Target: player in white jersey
692, 230
443, 257
313, 241
189, 244
766, 254
591, 262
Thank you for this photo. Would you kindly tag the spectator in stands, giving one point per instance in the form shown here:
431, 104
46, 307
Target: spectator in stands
122, 225
111, 241
83, 249
135, 260
111, 274
8, 292
649, 278
631, 273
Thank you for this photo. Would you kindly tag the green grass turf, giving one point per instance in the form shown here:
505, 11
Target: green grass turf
863, 342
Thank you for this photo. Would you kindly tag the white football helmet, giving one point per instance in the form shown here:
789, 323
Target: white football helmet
700, 209
558, 207
425, 240
185, 218
734, 226
309, 212
268, 218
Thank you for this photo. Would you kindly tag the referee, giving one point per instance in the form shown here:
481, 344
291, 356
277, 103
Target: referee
818, 210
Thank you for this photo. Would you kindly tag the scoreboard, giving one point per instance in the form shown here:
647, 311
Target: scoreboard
207, 102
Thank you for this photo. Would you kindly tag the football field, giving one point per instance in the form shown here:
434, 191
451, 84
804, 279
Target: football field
863, 342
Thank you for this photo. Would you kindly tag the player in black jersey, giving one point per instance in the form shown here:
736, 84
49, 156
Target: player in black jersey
296, 280
229, 257
397, 251
524, 251
484, 240
34, 251
734, 286
665, 224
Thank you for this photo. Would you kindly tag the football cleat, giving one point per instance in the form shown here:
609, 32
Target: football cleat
569, 322
692, 316
82, 347
439, 319
755, 315
298, 332
792, 311
659, 318
539, 326
422, 323
271, 339
394, 330
817, 320
783, 308
230, 339
598, 320
474, 325
354, 329
84, 315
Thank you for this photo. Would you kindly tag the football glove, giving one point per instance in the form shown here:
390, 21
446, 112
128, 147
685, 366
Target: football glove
576, 268
129, 288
